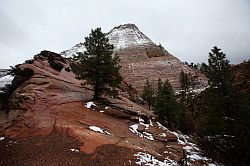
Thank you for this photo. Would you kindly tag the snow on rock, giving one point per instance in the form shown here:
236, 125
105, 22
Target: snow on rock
90, 104
127, 35
193, 91
122, 36
133, 129
98, 129
5, 80
142, 122
149, 160
78, 48
193, 151
163, 135
74, 150
150, 122
1, 138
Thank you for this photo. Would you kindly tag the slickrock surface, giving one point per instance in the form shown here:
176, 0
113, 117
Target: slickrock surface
52, 109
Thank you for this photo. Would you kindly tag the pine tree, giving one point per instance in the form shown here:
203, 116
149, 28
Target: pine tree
185, 119
184, 81
147, 94
218, 70
97, 66
220, 76
165, 105
218, 98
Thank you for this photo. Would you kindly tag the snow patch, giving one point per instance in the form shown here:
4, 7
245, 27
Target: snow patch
78, 48
90, 104
141, 121
98, 129
133, 129
127, 35
193, 91
163, 135
150, 122
193, 152
74, 150
149, 160
7, 79
1, 138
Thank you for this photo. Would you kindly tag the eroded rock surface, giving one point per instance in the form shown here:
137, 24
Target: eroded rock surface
142, 59
55, 102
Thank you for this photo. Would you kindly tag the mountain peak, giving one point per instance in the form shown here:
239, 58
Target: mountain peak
127, 35
125, 26
122, 36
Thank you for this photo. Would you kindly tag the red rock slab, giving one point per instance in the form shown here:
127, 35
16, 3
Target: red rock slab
91, 139
141, 128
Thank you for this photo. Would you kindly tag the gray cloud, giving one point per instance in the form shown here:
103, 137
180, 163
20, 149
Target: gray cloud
186, 28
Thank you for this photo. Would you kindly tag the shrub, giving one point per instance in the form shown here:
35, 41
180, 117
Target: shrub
14, 70
67, 69
30, 61
5, 93
56, 65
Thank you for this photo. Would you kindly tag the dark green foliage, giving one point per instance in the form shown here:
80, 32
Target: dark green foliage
219, 95
51, 56
26, 73
5, 93
147, 94
55, 65
6, 89
184, 81
20, 77
225, 112
67, 69
213, 122
165, 106
223, 134
185, 116
14, 70
97, 66
218, 70
30, 61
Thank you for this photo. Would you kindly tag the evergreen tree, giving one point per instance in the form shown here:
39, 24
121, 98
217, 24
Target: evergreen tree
165, 105
147, 94
184, 81
218, 70
97, 66
220, 103
185, 119
220, 76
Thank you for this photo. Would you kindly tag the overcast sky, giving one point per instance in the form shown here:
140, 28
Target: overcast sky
186, 28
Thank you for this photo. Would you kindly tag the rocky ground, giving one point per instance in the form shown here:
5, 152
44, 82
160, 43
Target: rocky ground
52, 121
55, 149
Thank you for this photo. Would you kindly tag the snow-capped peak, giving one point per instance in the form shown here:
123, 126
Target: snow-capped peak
127, 35
122, 36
